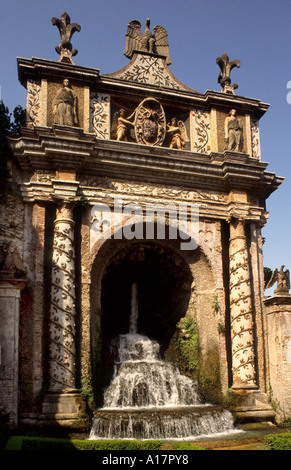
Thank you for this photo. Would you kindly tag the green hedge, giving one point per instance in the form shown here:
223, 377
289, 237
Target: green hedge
278, 441
186, 446
35, 443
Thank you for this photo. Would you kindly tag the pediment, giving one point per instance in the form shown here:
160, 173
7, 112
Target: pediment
149, 69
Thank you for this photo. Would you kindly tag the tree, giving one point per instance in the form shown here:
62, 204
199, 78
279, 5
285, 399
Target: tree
267, 275
8, 128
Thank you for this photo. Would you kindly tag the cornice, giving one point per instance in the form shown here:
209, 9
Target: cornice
59, 148
37, 68
43, 68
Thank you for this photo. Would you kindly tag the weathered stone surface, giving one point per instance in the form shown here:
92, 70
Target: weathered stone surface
278, 309
141, 137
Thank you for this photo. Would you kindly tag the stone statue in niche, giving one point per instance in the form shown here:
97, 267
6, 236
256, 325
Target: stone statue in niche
120, 125
66, 29
283, 281
233, 132
65, 106
178, 133
156, 43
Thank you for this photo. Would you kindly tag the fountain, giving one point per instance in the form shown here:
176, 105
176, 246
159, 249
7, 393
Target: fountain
148, 398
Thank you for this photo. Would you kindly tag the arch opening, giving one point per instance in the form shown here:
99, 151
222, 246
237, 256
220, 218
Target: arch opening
164, 282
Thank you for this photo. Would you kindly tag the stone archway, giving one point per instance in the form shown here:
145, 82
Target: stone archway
172, 284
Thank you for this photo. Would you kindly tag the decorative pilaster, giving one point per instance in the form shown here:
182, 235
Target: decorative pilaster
242, 334
62, 312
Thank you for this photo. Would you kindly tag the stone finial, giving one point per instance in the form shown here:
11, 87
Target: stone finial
156, 43
224, 76
283, 281
66, 29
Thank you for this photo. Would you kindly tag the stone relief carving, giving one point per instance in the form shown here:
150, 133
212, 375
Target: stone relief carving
66, 29
150, 122
224, 75
201, 131
178, 133
43, 176
110, 187
33, 103
100, 115
65, 106
255, 138
156, 43
120, 126
233, 132
283, 281
149, 70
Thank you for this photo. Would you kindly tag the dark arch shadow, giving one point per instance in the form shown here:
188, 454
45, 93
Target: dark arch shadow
164, 288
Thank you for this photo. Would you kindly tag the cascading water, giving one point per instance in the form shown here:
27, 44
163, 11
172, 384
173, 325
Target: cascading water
148, 398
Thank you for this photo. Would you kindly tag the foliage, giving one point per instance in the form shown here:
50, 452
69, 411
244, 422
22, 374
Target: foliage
267, 275
8, 128
186, 446
278, 441
187, 345
36, 443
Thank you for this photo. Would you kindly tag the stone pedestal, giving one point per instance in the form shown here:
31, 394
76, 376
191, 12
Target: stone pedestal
66, 410
278, 309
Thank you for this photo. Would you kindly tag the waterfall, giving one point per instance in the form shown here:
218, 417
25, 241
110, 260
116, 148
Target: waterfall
149, 398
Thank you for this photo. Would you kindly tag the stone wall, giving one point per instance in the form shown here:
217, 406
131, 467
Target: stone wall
9, 348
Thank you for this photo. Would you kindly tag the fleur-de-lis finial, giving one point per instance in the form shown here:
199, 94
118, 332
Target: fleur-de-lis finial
66, 29
224, 76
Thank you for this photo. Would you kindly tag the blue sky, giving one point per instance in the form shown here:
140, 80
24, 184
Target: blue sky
258, 33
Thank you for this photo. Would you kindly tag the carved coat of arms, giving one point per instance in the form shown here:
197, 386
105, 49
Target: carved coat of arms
150, 122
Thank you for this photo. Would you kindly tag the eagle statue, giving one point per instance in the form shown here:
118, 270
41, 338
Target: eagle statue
282, 278
156, 43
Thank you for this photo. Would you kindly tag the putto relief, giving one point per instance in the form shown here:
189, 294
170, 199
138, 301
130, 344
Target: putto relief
178, 133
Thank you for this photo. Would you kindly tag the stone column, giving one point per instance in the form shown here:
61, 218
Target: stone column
242, 334
278, 309
62, 311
